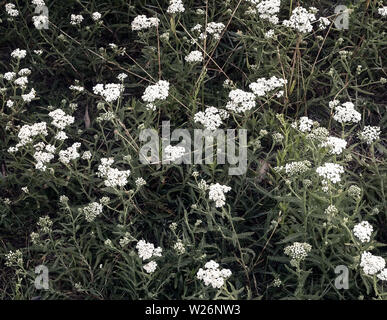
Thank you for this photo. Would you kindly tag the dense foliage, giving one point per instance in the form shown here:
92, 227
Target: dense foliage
313, 195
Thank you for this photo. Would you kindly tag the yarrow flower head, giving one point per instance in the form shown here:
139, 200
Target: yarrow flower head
363, 231
240, 101
304, 124
370, 134
76, 19
215, 29
40, 22
335, 145
300, 20
14, 258
60, 119
217, 194
213, 275
110, 92
211, 118
140, 182
346, 113
28, 97
158, 91
330, 172
27, 132
92, 210
147, 250
267, 9
11, 10
141, 22
96, 16
298, 251
194, 56
263, 86
18, 54
150, 267
175, 6
383, 274
354, 192
371, 264
71, 153
113, 177
295, 168
43, 155
383, 11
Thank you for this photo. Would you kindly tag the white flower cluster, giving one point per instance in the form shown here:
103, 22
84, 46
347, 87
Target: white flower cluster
331, 210
217, 193
24, 72
158, 91
240, 101
215, 29
363, 231
150, 267
298, 251
60, 119
173, 153
323, 23
330, 172
179, 247
268, 9
345, 113
295, 168
211, 118
11, 10
147, 251
18, 54
371, 264
300, 20
71, 153
28, 97
175, 6
27, 132
194, 56
38, 3
76, 88
110, 92
336, 145
355, 192
304, 124
263, 86
113, 177
320, 134
14, 258
212, 275
92, 210
96, 16
43, 155
140, 182
141, 22
87, 155
122, 76
370, 134
21, 82
383, 274
40, 21
9, 76
383, 11
76, 19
